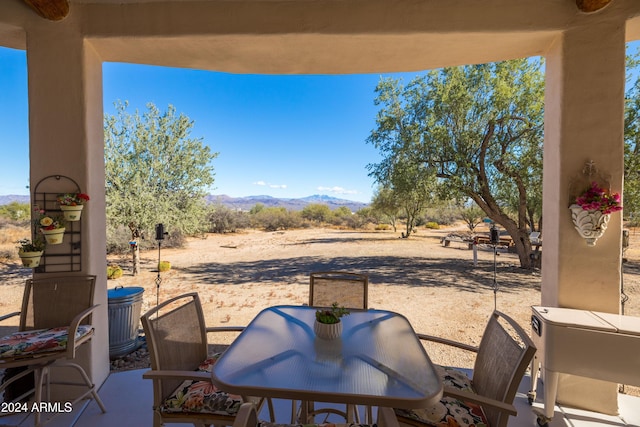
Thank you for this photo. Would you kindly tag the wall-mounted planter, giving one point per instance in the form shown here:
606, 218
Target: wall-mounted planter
72, 213
590, 224
53, 237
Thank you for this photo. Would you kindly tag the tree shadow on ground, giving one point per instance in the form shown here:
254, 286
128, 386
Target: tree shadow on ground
385, 270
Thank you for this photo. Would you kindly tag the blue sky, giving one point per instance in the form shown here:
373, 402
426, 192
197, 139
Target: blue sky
283, 136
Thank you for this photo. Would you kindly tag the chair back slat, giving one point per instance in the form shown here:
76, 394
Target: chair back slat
347, 289
54, 301
504, 353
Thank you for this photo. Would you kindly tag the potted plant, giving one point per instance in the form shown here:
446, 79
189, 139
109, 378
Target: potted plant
591, 212
328, 325
71, 205
30, 252
51, 226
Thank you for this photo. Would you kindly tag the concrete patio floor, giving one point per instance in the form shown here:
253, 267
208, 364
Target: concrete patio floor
128, 400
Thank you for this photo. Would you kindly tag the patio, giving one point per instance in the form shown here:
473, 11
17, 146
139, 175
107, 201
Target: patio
128, 400
585, 59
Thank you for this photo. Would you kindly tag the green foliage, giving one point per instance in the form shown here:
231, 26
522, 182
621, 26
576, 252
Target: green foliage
432, 225
472, 216
16, 211
221, 219
475, 132
164, 266
316, 212
114, 272
274, 218
632, 145
386, 204
155, 172
332, 314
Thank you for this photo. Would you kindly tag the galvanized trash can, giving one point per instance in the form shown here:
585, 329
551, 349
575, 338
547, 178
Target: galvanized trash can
124, 317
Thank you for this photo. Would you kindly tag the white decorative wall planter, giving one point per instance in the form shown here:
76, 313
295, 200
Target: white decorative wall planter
590, 224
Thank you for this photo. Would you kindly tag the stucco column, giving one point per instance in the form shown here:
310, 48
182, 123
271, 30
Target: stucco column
66, 138
583, 122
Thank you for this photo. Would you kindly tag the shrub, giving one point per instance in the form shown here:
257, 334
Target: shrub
164, 266
382, 227
114, 271
432, 225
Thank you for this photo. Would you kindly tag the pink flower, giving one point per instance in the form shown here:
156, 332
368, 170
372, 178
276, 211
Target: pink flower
596, 198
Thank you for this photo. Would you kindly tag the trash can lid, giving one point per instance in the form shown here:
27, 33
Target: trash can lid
120, 292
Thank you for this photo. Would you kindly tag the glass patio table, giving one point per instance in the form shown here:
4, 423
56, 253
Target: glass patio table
378, 361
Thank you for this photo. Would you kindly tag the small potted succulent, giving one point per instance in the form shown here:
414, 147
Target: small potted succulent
328, 325
30, 252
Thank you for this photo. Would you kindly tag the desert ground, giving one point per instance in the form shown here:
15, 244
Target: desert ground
439, 289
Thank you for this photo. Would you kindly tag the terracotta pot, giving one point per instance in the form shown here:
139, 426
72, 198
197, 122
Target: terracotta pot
72, 213
53, 237
30, 259
591, 225
327, 331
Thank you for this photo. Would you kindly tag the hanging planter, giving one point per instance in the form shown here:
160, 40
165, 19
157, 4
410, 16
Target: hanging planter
30, 252
30, 259
591, 212
72, 213
54, 236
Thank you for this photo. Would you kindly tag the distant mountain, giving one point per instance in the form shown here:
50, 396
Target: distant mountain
246, 203
10, 198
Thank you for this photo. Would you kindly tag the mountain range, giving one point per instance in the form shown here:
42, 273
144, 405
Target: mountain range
246, 203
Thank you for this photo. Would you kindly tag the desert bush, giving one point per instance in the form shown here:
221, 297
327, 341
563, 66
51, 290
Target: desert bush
272, 219
16, 211
382, 227
221, 219
316, 212
164, 266
432, 225
114, 271
118, 240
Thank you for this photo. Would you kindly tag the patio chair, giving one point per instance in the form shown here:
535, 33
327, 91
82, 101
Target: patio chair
55, 320
248, 417
504, 353
350, 290
181, 367
347, 289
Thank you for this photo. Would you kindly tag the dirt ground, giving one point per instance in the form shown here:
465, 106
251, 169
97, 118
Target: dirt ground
439, 289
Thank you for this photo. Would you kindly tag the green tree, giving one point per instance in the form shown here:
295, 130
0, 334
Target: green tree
632, 144
317, 212
386, 203
472, 216
155, 172
479, 127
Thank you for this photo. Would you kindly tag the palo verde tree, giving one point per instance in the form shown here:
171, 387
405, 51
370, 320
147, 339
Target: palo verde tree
155, 171
479, 127
632, 143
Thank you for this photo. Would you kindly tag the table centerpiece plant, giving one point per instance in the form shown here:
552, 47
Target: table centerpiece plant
328, 324
30, 252
71, 205
591, 211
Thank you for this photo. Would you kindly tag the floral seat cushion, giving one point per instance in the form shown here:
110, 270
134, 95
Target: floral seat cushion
202, 396
27, 343
269, 424
449, 412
